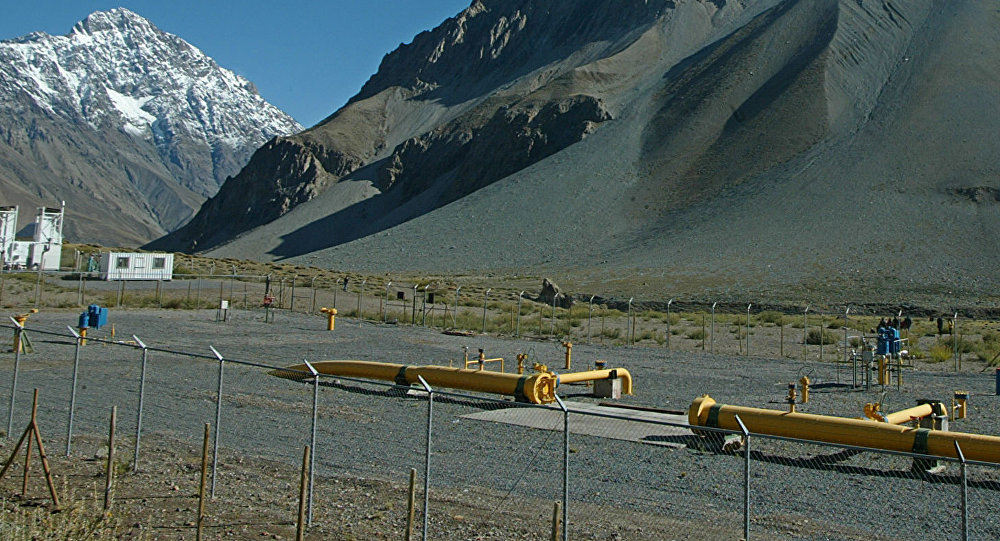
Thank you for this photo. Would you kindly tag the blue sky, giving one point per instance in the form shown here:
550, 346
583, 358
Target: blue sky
308, 58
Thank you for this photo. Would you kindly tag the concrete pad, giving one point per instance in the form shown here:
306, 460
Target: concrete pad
634, 425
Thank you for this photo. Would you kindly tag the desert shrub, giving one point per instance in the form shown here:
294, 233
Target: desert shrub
773, 317
695, 334
939, 353
815, 335
174, 304
611, 333
855, 341
964, 346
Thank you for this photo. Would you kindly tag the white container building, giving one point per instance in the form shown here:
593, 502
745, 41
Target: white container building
137, 266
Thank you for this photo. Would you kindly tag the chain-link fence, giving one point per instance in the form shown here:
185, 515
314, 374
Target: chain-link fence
830, 333
491, 468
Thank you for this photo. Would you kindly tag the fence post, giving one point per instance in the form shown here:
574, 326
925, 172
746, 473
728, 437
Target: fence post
565, 507
312, 287
336, 286
201, 485
423, 308
668, 322
454, 315
427, 455
590, 316
711, 348
385, 310
486, 299
552, 320
517, 330
300, 528
746, 479
109, 474
72, 393
805, 331
142, 392
954, 340
218, 418
965, 492
312, 441
411, 506
854, 378
361, 292
38, 283
18, 329
628, 322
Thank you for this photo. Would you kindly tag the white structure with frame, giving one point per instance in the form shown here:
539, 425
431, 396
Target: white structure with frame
44, 251
137, 266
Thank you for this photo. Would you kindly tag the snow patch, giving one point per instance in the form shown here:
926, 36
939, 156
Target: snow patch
136, 119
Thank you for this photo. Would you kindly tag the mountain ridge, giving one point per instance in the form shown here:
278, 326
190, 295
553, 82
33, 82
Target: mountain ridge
745, 146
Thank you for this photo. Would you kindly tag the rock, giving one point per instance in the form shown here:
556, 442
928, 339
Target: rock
550, 290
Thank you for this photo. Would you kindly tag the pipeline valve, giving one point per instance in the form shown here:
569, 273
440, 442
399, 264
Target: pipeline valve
539, 367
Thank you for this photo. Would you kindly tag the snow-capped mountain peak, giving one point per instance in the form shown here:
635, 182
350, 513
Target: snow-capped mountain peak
126, 118
116, 70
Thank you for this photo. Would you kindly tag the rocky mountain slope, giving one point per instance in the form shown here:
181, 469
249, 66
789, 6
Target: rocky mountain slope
713, 146
132, 126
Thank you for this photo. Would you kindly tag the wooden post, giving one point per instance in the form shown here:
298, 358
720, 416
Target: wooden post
204, 477
27, 467
110, 473
411, 504
300, 529
555, 520
32, 430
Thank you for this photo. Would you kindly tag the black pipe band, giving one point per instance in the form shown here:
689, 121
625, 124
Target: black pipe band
713, 416
401, 377
920, 441
519, 395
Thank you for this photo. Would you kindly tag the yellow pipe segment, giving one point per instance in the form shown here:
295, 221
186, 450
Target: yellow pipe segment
591, 375
705, 411
909, 414
537, 388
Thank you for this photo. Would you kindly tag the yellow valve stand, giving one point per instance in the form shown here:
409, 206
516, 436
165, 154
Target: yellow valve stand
331, 314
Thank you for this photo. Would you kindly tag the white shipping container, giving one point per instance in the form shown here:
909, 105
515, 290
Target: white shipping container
137, 266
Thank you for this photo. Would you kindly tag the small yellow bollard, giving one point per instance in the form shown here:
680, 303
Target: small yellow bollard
805, 389
883, 370
83, 336
521, 357
569, 353
791, 398
331, 314
961, 404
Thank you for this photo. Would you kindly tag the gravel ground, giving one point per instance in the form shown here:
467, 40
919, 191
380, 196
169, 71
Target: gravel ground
495, 481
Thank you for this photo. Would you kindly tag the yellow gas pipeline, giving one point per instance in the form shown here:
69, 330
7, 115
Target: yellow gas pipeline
705, 411
538, 388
